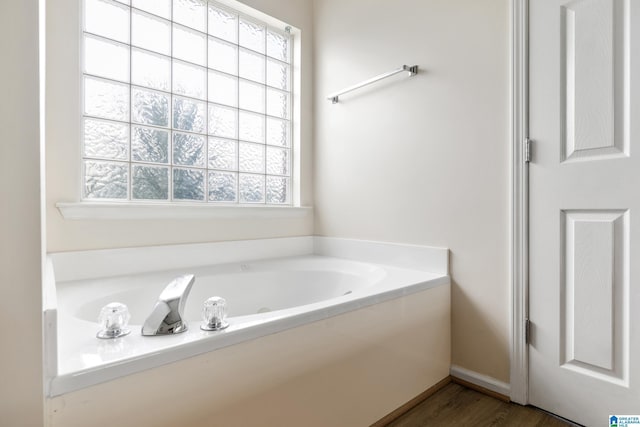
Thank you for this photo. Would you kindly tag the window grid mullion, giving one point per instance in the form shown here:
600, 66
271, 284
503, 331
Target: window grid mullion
289, 133
130, 183
206, 105
264, 119
238, 110
171, 112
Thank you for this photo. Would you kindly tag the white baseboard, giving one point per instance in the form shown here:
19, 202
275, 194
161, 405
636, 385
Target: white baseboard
481, 380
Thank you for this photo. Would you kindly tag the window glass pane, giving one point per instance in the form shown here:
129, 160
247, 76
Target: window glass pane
252, 35
223, 24
150, 182
278, 46
107, 140
189, 115
189, 149
252, 96
105, 58
252, 66
192, 13
277, 132
251, 157
150, 69
189, 80
223, 89
189, 45
223, 56
277, 190
251, 127
106, 180
223, 121
150, 107
151, 33
223, 154
251, 188
277, 74
188, 184
108, 19
277, 161
157, 7
223, 186
106, 99
277, 103
149, 145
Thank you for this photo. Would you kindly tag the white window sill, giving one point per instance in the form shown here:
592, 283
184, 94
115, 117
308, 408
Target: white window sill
120, 211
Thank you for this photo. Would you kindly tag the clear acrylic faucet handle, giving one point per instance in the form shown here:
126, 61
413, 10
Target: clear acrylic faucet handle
114, 319
214, 314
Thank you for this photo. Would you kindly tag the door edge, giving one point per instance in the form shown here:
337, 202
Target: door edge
519, 112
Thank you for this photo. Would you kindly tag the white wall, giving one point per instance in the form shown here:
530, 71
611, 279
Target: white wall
20, 238
423, 159
63, 148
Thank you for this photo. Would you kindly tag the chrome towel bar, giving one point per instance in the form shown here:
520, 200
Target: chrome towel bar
413, 70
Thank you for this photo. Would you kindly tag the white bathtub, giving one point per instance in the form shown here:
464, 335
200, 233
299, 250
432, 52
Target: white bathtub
251, 288
270, 286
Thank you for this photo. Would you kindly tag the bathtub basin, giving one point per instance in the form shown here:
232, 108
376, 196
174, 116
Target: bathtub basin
250, 288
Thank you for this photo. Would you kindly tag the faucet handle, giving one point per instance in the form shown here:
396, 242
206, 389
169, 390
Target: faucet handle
214, 314
114, 319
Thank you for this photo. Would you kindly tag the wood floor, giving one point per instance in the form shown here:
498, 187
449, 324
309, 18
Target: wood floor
456, 405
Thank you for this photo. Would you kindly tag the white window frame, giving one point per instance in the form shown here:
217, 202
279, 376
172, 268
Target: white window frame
135, 209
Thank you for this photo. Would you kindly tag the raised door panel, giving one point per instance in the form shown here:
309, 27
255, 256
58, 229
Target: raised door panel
595, 269
594, 51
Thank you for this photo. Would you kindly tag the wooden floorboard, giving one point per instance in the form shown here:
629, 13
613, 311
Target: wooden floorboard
456, 405
412, 403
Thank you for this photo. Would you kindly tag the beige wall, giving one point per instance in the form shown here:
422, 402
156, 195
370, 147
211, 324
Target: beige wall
20, 218
63, 148
424, 159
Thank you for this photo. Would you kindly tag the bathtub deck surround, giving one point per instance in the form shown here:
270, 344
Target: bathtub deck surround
339, 371
270, 285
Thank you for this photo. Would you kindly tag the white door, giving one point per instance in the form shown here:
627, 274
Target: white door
584, 353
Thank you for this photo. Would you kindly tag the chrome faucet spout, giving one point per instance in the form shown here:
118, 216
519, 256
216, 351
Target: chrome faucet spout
166, 317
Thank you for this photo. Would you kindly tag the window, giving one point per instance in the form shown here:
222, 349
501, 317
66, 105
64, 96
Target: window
185, 100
